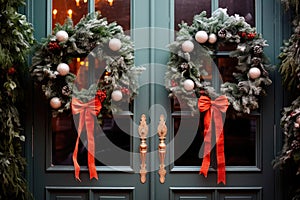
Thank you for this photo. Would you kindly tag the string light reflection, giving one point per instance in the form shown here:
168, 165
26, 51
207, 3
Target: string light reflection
110, 2
70, 12
54, 12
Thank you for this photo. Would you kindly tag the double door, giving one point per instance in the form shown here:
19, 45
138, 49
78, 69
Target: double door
160, 173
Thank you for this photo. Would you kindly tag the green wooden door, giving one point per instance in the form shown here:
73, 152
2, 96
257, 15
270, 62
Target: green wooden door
152, 23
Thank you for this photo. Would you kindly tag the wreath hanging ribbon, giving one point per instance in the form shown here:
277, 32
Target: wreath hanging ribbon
213, 111
87, 113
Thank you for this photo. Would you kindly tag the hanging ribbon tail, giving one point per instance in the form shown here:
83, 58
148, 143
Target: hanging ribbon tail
204, 104
80, 127
205, 166
76, 165
87, 112
77, 170
92, 167
221, 159
91, 146
220, 106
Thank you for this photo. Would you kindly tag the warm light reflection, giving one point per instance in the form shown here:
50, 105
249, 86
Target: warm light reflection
54, 13
77, 2
115, 11
84, 1
70, 12
110, 2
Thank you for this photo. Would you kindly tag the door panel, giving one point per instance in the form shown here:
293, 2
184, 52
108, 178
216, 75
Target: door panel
248, 154
248, 138
210, 193
81, 193
54, 138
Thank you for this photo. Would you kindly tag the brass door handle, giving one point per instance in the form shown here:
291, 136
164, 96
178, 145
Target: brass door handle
143, 132
162, 132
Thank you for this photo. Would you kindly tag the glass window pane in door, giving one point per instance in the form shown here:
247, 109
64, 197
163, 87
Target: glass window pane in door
227, 66
88, 71
62, 9
240, 139
186, 9
112, 139
115, 11
240, 134
187, 130
244, 8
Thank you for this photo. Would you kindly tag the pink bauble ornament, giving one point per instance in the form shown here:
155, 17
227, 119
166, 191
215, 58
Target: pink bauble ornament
212, 38
115, 44
62, 36
116, 95
55, 103
188, 85
254, 73
298, 120
201, 37
63, 69
187, 46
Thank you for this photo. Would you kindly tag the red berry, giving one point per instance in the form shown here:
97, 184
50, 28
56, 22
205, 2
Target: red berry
125, 91
173, 83
101, 95
11, 71
251, 35
53, 45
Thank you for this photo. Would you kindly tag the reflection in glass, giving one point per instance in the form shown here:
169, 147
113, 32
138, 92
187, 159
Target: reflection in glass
178, 105
186, 9
74, 9
240, 141
109, 139
227, 66
247, 9
115, 11
190, 157
63, 140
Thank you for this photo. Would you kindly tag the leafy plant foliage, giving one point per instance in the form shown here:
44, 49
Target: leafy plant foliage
16, 41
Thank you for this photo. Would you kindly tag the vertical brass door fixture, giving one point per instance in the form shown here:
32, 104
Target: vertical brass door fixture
143, 132
162, 132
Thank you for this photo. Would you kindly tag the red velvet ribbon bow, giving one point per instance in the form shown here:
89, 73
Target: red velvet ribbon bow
214, 110
87, 113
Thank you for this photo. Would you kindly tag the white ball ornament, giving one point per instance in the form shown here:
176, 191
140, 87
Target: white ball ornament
188, 85
55, 103
187, 46
116, 95
212, 38
115, 44
254, 73
201, 37
63, 69
62, 36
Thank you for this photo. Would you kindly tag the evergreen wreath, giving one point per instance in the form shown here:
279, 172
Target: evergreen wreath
92, 36
184, 76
